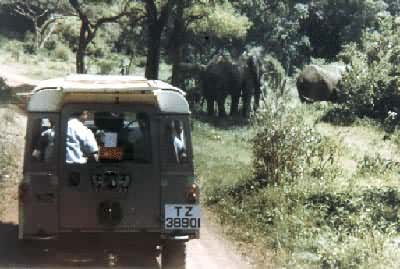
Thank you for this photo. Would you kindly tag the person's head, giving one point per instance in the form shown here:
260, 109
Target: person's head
81, 116
142, 120
178, 126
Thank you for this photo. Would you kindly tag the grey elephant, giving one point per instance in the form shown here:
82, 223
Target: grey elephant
319, 83
224, 76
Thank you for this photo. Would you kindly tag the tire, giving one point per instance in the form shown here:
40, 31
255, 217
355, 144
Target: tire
173, 255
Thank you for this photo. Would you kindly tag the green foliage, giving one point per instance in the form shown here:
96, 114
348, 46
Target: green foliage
375, 165
285, 148
370, 87
331, 24
274, 73
67, 32
29, 44
62, 52
296, 200
339, 115
5, 91
223, 21
106, 66
277, 26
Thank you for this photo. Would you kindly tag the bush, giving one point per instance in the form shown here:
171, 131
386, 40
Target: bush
5, 91
62, 52
370, 88
106, 66
286, 148
29, 44
375, 165
274, 73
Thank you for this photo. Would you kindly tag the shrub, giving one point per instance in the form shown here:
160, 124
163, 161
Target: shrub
106, 66
274, 73
29, 44
370, 88
62, 52
375, 165
5, 91
286, 148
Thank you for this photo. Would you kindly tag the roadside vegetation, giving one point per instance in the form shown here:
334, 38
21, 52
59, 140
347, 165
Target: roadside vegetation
316, 184
302, 188
11, 150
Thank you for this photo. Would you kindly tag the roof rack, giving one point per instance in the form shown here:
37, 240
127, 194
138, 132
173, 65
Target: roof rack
52, 94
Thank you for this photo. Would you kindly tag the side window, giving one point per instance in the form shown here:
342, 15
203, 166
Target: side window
43, 140
176, 138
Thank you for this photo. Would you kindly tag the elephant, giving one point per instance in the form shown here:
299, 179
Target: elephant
319, 83
223, 76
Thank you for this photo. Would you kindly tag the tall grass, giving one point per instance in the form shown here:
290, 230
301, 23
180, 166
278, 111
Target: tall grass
284, 184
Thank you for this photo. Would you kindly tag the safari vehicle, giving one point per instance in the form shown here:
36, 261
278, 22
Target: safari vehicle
141, 185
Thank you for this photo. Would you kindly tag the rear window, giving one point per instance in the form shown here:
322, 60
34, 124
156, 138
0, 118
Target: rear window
107, 136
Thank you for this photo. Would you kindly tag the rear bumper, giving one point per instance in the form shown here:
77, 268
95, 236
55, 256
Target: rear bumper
131, 236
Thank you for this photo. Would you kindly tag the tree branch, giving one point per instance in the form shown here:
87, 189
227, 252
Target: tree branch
151, 9
166, 11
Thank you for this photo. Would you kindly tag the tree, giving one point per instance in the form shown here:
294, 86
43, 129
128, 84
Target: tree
194, 19
90, 24
331, 24
42, 14
277, 27
156, 20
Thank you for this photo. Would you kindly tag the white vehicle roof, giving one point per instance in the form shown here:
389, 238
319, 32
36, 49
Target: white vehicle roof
50, 95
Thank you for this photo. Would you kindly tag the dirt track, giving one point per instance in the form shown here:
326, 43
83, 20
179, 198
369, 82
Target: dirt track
210, 252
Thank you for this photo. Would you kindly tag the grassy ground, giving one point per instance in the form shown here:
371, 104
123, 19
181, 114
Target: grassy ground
347, 218
11, 149
60, 61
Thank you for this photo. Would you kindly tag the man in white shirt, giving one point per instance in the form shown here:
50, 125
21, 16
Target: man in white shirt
179, 141
81, 143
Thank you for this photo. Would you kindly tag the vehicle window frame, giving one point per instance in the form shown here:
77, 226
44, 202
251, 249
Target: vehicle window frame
68, 109
165, 159
30, 164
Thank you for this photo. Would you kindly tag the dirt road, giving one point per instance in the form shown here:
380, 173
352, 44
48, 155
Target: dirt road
210, 252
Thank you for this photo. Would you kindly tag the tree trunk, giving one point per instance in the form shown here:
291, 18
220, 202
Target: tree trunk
80, 61
176, 44
153, 54
80, 53
176, 55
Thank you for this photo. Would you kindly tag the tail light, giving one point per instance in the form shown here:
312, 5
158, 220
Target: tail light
23, 190
192, 194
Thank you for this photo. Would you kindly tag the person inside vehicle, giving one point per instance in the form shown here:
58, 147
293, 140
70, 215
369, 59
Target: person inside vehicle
179, 141
81, 144
44, 149
141, 145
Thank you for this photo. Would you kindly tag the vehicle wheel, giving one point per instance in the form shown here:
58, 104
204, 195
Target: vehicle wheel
173, 255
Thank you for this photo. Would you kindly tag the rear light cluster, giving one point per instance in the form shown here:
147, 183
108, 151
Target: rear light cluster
192, 194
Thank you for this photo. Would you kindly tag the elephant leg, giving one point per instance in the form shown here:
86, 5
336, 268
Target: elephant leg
234, 105
221, 107
246, 105
256, 101
210, 106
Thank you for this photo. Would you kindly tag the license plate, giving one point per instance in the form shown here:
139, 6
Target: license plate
182, 217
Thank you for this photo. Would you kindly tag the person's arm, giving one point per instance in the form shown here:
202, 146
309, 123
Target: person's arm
90, 145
